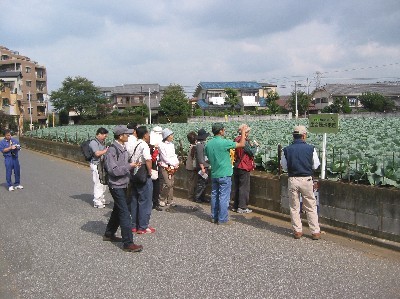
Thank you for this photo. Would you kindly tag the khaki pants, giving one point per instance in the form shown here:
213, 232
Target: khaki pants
167, 189
304, 185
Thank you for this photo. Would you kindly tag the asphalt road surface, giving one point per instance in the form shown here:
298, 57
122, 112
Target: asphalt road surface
51, 247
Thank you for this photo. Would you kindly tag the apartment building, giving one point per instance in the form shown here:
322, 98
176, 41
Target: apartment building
27, 82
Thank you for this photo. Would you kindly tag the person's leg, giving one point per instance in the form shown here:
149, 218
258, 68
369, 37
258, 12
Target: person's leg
200, 188
98, 188
167, 188
236, 188
8, 164
225, 187
120, 216
294, 204
17, 171
214, 199
156, 193
310, 204
244, 188
135, 197
145, 202
191, 184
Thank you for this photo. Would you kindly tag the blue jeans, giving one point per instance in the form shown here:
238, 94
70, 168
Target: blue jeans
120, 216
220, 196
142, 204
12, 163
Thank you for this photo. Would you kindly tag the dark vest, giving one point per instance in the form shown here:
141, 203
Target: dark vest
299, 156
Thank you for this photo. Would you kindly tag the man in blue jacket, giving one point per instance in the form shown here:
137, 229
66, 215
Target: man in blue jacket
300, 159
10, 148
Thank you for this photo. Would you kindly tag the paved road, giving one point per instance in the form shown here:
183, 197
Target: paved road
51, 247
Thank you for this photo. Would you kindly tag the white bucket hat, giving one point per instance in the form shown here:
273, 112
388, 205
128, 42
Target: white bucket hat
166, 132
156, 136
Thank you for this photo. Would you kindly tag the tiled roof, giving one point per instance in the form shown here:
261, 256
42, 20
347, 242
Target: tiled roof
240, 85
385, 89
135, 88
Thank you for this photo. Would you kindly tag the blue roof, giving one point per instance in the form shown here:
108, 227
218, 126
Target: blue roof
235, 85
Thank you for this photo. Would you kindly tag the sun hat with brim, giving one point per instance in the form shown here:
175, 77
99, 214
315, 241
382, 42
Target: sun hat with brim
299, 130
121, 129
166, 132
156, 136
217, 127
202, 134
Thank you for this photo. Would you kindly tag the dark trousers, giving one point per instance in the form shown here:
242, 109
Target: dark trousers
241, 180
201, 188
156, 193
11, 164
141, 204
120, 216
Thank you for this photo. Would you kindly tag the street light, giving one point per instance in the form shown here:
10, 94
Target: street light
30, 109
149, 107
295, 92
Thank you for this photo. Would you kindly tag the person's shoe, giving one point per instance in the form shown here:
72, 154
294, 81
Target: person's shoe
106, 202
148, 230
162, 203
133, 248
19, 187
212, 220
225, 223
234, 210
244, 211
134, 230
99, 206
112, 238
11, 188
297, 235
316, 236
157, 208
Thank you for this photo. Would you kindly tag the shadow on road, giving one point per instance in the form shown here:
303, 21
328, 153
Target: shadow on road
94, 227
88, 198
202, 212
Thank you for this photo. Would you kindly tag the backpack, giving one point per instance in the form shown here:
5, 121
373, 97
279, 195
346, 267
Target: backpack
101, 167
87, 150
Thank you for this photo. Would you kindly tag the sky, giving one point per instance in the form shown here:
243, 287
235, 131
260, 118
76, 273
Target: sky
188, 41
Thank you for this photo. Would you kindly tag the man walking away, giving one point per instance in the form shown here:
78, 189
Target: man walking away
299, 159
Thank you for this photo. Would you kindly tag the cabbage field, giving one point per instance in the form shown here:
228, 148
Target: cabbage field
366, 150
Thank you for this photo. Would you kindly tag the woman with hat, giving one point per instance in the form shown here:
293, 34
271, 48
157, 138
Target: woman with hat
202, 165
169, 165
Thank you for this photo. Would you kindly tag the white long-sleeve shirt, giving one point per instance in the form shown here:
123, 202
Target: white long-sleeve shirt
167, 154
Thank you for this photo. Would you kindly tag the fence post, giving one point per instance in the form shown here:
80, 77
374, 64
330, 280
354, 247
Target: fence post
279, 158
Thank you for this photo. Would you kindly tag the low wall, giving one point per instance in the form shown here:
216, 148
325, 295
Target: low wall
365, 209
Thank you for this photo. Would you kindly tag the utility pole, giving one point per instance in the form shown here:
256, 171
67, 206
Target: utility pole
149, 108
30, 109
295, 93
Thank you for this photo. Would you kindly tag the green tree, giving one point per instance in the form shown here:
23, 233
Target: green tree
303, 102
174, 102
78, 94
63, 117
376, 102
231, 98
272, 98
339, 105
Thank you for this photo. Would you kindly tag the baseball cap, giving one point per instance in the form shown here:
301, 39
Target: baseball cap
300, 130
122, 129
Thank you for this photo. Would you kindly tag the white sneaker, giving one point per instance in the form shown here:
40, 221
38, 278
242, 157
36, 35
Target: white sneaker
100, 206
11, 188
162, 203
19, 187
244, 211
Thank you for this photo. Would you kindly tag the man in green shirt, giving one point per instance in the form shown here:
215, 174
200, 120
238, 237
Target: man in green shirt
217, 151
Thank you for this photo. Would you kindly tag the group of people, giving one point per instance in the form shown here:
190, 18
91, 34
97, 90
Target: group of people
133, 150
135, 147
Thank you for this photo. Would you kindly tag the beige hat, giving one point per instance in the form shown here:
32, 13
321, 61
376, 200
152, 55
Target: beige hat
300, 130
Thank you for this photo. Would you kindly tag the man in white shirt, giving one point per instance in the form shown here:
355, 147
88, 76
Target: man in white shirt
132, 139
142, 194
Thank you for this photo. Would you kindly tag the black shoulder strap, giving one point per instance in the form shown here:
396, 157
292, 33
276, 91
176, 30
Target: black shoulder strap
134, 151
116, 150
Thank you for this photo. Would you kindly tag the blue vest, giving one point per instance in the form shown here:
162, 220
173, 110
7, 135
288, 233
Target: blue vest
299, 156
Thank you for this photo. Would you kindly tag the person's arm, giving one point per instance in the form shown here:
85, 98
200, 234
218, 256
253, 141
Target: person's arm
242, 141
10, 148
284, 162
315, 160
100, 153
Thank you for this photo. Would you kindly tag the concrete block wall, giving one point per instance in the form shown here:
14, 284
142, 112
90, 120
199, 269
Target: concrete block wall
366, 209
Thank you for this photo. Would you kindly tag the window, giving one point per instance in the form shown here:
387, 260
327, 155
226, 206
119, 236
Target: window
29, 83
29, 110
6, 102
27, 69
324, 100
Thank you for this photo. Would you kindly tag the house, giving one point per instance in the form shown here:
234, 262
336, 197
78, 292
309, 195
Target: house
27, 80
325, 95
251, 93
134, 95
